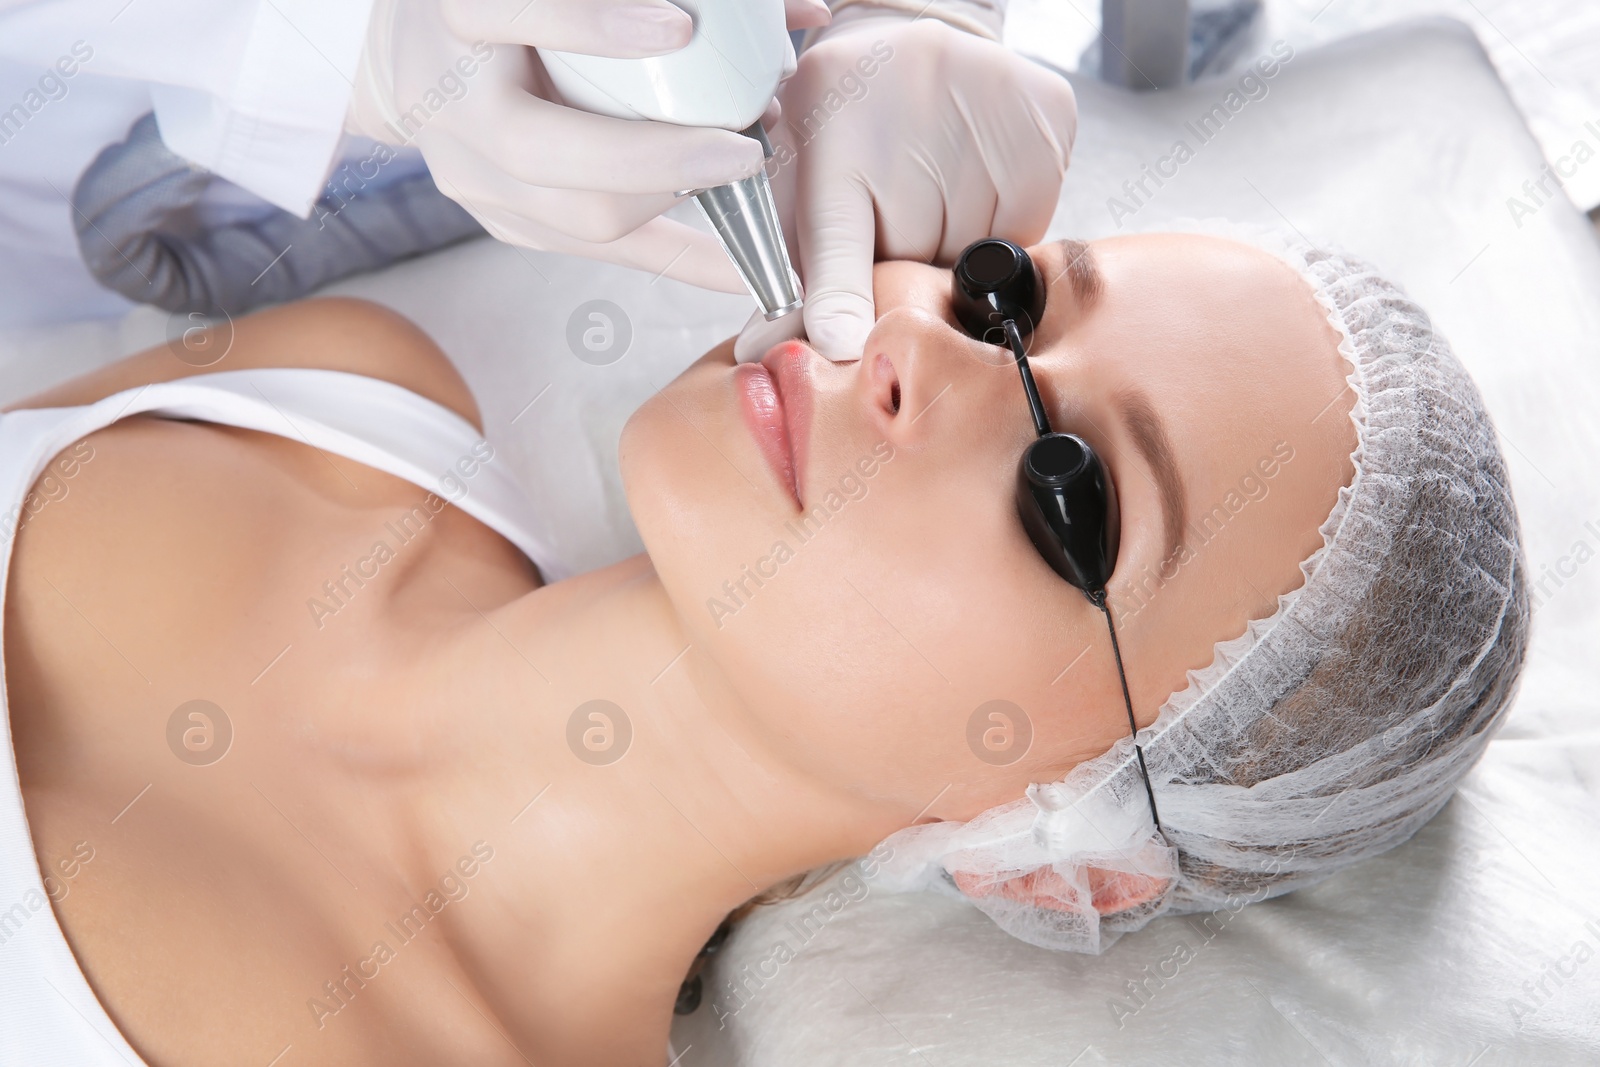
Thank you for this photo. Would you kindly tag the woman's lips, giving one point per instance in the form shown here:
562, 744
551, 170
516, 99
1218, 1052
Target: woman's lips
775, 398
790, 365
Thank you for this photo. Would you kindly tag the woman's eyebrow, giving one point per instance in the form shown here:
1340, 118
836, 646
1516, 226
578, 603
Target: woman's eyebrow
1150, 438
1082, 272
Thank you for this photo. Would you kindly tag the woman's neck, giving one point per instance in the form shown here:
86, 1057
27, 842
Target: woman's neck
603, 758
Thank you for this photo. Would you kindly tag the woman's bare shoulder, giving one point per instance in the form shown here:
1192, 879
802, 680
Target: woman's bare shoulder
332, 333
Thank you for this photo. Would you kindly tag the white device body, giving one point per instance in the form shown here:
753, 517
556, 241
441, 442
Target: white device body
725, 77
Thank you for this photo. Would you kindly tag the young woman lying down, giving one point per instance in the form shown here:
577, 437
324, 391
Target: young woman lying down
314, 764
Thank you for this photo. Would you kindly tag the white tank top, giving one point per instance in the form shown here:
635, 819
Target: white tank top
48, 1013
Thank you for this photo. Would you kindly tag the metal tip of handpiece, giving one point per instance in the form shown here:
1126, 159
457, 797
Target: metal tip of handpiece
745, 219
778, 313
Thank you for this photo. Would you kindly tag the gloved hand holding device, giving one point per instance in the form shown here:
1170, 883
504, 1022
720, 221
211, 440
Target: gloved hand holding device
907, 132
533, 171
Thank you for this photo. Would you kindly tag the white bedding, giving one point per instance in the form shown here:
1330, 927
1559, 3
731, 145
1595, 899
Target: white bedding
1402, 146
1547, 52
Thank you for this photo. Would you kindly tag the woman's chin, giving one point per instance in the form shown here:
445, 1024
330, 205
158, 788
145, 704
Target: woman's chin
651, 452
722, 353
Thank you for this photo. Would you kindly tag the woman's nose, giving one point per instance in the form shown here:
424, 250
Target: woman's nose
914, 359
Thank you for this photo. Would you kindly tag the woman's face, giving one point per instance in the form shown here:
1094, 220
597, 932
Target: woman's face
843, 539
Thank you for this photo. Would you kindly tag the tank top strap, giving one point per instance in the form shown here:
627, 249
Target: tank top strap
376, 423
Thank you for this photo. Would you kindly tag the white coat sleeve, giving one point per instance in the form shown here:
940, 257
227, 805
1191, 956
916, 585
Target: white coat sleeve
252, 90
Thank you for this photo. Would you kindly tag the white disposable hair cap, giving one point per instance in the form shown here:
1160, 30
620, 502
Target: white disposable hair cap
1322, 735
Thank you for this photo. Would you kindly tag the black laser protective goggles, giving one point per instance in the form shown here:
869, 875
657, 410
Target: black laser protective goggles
1067, 502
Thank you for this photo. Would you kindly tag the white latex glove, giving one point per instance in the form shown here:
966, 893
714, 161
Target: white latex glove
950, 138
454, 78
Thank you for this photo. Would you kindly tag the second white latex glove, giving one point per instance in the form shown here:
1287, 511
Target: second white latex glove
906, 140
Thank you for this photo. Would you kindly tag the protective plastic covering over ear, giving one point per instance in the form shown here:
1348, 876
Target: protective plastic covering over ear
1322, 735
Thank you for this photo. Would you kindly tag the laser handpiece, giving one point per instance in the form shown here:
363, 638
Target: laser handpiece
724, 77
745, 218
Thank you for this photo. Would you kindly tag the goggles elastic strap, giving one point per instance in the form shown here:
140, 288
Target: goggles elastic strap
1041, 422
1098, 598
